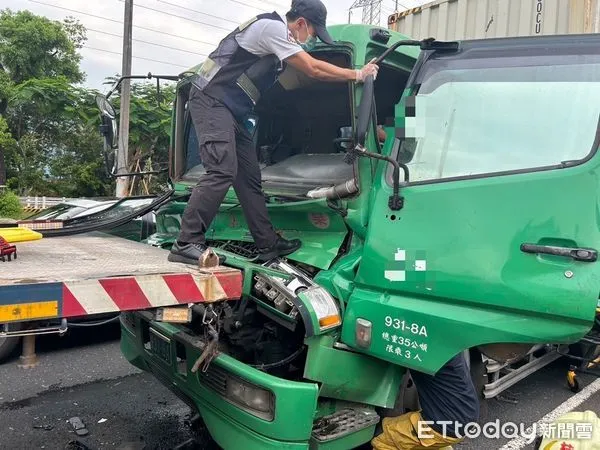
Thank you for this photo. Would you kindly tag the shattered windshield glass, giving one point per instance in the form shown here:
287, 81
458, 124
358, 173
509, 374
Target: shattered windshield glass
122, 208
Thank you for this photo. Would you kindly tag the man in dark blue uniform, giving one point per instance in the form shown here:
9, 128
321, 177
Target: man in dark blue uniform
449, 402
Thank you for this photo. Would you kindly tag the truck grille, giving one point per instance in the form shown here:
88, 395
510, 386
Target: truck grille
214, 378
243, 249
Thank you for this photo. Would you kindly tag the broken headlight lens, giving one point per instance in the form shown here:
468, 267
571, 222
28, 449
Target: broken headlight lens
325, 307
251, 398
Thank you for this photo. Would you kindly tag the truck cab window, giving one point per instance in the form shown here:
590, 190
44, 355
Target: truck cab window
389, 87
478, 120
295, 125
293, 128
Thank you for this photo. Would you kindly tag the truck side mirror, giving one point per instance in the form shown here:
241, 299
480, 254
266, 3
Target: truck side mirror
108, 127
366, 114
365, 109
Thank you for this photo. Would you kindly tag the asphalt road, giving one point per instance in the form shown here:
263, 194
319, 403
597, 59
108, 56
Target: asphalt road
84, 375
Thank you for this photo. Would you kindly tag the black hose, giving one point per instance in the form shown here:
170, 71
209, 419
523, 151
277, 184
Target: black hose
386, 53
94, 324
283, 362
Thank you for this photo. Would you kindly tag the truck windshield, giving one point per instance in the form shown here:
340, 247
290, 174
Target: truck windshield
483, 115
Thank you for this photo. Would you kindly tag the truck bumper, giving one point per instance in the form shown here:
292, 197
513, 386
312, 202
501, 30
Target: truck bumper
287, 423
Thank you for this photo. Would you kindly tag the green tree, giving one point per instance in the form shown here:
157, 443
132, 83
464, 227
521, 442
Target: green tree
37, 117
49, 137
10, 206
149, 131
38, 61
33, 46
8, 143
77, 166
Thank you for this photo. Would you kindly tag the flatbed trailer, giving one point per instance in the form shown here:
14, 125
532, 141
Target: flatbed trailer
92, 274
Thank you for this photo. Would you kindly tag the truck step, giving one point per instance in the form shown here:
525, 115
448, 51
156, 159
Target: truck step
343, 423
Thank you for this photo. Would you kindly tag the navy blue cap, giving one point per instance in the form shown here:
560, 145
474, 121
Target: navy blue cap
316, 13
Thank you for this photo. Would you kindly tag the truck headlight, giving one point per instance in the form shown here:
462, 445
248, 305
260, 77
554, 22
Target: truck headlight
251, 398
325, 307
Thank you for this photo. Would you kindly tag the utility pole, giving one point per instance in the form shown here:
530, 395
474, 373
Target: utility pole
123, 150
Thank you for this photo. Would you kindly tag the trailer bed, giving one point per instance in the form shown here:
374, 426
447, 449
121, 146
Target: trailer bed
97, 273
81, 257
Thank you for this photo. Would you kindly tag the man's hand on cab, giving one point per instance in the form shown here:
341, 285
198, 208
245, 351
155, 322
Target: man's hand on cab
370, 69
324, 71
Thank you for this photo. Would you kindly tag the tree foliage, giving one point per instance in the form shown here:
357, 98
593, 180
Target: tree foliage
10, 206
32, 46
49, 137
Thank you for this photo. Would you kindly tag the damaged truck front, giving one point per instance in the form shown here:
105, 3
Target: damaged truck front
487, 248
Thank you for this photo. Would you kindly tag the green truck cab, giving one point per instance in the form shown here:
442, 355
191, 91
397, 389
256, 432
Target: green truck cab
472, 228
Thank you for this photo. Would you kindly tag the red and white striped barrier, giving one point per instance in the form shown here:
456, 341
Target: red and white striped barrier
149, 291
115, 294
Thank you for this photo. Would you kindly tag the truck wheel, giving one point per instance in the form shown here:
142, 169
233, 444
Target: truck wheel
8, 344
408, 399
479, 376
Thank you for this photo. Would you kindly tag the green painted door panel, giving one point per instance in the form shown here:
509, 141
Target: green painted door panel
466, 279
423, 334
447, 271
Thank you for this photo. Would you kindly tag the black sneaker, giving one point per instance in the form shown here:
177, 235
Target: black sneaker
189, 253
282, 247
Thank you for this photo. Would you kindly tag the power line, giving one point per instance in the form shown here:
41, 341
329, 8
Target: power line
239, 2
136, 57
256, 7
397, 3
181, 17
147, 42
196, 11
121, 22
273, 3
250, 6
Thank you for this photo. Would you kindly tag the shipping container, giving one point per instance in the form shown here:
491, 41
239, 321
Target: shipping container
476, 19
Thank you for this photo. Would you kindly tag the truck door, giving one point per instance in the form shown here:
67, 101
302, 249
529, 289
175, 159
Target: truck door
497, 239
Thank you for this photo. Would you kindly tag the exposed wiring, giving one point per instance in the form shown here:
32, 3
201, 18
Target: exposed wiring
283, 362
